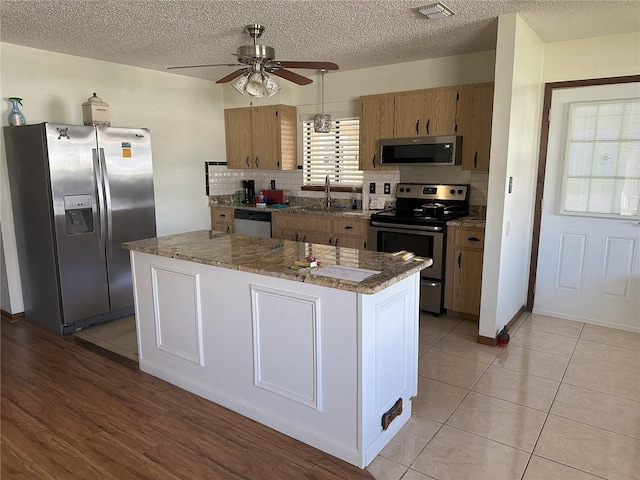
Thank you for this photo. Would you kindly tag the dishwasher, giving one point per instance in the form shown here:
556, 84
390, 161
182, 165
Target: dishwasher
252, 223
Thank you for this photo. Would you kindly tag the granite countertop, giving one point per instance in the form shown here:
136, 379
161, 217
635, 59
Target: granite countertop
276, 258
471, 221
302, 210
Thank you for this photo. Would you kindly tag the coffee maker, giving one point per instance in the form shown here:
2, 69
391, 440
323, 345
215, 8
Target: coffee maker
249, 190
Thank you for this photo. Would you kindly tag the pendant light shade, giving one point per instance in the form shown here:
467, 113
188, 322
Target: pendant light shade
322, 121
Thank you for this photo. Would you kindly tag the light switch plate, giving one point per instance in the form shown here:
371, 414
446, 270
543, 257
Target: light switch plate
372, 187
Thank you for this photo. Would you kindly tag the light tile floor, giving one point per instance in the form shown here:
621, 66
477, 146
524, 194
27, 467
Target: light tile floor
118, 336
561, 401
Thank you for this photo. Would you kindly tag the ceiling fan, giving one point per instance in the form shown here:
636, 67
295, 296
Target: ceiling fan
258, 60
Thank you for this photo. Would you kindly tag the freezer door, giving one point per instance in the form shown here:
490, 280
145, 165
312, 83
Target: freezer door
72, 158
125, 156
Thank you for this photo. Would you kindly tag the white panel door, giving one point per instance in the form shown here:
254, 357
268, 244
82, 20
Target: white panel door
588, 267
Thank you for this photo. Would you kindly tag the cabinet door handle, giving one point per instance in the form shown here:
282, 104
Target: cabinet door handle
473, 239
228, 229
247, 160
418, 127
475, 160
460, 260
296, 237
428, 123
304, 237
373, 162
223, 215
348, 227
256, 161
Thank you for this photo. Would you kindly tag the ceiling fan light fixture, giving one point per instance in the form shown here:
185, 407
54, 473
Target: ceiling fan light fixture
322, 121
270, 86
240, 83
436, 10
255, 85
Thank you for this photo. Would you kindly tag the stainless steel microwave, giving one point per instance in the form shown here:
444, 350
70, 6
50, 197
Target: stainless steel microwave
445, 150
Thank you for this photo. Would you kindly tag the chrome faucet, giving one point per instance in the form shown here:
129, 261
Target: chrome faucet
327, 191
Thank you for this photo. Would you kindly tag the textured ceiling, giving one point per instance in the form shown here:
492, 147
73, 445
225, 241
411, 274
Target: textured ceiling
355, 34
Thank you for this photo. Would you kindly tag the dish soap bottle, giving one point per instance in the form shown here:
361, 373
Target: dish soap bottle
16, 118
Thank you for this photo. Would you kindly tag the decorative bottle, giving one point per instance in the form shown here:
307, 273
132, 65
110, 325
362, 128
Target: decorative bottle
16, 118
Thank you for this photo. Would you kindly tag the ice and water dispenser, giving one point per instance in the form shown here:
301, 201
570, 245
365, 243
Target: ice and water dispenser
78, 214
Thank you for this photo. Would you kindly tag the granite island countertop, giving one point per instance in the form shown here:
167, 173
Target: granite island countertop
276, 258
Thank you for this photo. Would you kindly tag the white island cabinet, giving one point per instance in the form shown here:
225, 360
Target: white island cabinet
323, 360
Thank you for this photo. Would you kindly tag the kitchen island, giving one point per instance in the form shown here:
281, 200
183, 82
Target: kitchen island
329, 361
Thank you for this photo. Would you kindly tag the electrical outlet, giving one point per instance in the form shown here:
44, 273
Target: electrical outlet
372, 187
387, 188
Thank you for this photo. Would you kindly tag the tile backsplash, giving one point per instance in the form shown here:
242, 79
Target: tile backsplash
224, 181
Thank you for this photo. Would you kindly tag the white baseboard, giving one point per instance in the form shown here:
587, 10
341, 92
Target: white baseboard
618, 326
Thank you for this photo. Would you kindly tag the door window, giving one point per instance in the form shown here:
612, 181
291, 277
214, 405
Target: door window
602, 159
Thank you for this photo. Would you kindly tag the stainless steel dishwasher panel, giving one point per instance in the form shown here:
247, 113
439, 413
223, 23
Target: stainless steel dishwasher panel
252, 223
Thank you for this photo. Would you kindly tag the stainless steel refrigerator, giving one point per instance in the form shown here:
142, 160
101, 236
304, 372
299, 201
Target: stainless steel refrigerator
77, 193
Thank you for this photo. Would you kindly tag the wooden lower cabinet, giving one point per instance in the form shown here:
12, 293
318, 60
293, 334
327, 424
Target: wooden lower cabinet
463, 283
350, 232
322, 229
222, 219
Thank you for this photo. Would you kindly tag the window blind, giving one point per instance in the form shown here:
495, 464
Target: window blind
334, 153
602, 167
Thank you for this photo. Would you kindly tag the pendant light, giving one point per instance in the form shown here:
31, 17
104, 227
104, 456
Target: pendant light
322, 121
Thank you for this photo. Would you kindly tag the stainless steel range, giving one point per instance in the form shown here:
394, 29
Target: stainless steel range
418, 224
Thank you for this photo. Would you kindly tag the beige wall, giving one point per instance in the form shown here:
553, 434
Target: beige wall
185, 116
596, 57
514, 153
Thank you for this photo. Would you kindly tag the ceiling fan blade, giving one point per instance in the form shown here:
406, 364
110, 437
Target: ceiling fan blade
310, 65
292, 77
198, 66
231, 76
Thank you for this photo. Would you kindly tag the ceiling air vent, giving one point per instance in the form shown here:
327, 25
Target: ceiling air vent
436, 10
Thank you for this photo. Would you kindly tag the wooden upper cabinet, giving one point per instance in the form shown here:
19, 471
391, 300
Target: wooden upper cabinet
376, 122
426, 113
263, 138
475, 110
237, 132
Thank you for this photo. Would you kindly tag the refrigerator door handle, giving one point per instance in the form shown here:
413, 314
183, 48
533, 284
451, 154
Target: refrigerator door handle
100, 200
107, 197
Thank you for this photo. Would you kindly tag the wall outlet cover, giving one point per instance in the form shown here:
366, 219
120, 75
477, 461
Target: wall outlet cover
387, 188
372, 187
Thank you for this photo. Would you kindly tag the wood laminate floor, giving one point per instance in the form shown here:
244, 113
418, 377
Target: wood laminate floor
70, 413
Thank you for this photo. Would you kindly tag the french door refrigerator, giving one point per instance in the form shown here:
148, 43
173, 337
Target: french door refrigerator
77, 193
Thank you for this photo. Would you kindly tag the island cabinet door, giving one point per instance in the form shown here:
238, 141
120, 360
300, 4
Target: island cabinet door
389, 329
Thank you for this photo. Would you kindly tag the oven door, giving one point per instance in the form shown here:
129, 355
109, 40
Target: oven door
423, 243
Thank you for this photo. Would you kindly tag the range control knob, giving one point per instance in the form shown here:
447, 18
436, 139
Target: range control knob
460, 192
408, 189
402, 189
452, 191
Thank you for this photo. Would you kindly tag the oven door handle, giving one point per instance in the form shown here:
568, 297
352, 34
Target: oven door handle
394, 226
